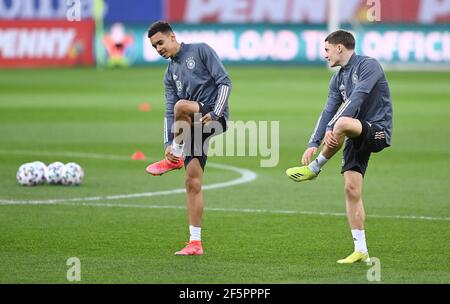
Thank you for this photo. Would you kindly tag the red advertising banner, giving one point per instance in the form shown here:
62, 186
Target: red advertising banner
46, 43
306, 11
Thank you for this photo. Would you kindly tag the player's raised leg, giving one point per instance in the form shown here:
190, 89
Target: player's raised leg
183, 111
333, 141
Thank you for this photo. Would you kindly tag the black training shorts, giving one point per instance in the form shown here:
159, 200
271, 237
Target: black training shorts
200, 135
357, 150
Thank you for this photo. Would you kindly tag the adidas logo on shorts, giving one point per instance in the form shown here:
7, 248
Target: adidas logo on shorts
379, 135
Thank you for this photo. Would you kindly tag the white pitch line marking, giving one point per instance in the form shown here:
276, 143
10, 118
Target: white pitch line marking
246, 176
238, 210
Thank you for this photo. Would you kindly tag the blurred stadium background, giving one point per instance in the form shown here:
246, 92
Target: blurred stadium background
62, 33
79, 82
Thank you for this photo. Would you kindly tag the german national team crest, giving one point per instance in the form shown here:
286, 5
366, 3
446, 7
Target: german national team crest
354, 78
190, 63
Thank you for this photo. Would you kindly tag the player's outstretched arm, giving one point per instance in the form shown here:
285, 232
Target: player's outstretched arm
308, 155
169, 155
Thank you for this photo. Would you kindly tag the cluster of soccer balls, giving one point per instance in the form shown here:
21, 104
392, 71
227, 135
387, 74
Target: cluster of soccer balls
37, 172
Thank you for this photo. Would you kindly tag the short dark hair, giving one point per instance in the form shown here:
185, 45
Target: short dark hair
159, 26
342, 37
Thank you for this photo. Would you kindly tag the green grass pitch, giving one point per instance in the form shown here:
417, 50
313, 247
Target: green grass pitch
269, 230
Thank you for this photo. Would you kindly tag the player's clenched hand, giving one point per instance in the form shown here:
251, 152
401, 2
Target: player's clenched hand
206, 119
330, 140
169, 156
308, 154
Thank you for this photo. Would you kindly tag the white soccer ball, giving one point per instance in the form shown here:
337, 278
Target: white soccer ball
54, 173
73, 174
28, 175
41, 168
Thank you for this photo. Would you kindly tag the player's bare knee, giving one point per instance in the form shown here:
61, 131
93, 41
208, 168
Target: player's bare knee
193, 184
346, 126
181, 108
343, 125
352, 190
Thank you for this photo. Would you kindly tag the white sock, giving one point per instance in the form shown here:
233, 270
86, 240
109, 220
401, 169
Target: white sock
318, 163
359, 238
195, 233
177, 149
